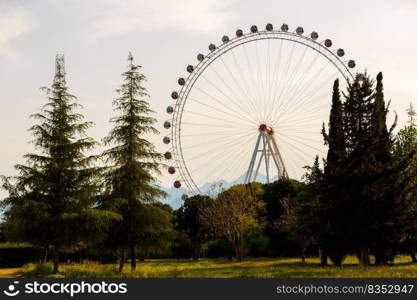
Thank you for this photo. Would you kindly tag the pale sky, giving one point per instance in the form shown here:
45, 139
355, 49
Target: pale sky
164, 37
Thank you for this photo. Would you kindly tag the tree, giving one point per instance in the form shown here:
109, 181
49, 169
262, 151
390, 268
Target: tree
187, 220
51, 202
333, 235
157, 230
362, 195
302, 219
273, 195
404, 146
232, 214
133, 163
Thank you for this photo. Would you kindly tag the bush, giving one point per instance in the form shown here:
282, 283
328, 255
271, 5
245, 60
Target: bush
219, 248
14, 256
37, 270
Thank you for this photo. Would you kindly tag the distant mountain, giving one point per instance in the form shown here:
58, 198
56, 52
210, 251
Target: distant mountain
174, 195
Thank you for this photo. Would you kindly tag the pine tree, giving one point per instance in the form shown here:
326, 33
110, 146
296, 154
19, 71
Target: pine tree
133, 162
51, 201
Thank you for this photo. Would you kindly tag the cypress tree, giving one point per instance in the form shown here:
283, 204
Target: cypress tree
51, 202
133, 163
335, 138
333, 226
358, 173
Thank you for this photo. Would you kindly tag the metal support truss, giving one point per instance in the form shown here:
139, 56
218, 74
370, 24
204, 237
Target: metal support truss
267, 148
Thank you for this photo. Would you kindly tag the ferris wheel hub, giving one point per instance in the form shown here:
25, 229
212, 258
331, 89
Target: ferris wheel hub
265, 128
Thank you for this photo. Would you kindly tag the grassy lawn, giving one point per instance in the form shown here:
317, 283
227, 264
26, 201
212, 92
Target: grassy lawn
223, 268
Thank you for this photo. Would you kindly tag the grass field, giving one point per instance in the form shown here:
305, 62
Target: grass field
223, 268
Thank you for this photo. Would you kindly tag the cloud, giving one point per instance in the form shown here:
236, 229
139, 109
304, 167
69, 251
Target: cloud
116, 18
14, 21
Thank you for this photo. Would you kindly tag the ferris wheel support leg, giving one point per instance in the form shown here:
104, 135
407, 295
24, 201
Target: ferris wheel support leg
252, 161
266, 152
259, 164
284, 173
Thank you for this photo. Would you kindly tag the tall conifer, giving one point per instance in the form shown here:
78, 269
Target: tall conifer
51, 202
133, 162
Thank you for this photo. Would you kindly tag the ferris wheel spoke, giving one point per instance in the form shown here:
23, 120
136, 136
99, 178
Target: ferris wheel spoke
220, 132
304, 116
231, 166
299, 152
304, 94
218, 110
216, 118
211, 149
230, 162
249, 91
250, 70
222, 104
259, 81
301, 81
236, 82
223, 155
214, 141
300, 142
224, 82
290, 78
226, 96
299, 105
281, 79
301, 85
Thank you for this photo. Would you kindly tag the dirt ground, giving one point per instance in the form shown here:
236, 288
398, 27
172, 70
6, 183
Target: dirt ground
9, 272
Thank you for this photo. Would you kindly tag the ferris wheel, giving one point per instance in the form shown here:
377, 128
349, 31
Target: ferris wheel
251, 109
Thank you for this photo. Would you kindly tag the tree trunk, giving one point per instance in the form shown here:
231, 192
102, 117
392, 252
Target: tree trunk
412, 251
303, 255
364, 256
132, 258
238, 246
45, 255
122, 260
56, 261
323, 257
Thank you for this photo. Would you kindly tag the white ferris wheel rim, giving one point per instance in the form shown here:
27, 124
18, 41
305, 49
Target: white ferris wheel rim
211, 57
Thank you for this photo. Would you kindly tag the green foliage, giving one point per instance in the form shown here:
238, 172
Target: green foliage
15, 255
255, 241
37, 270
232, 214
55, 191
361, 195
133, 163
187, 221
273, 197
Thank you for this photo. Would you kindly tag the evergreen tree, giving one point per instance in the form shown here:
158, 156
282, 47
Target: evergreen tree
404, 148
386, 205
358, 173
133, 163
51, 202
335, 138
332, 234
